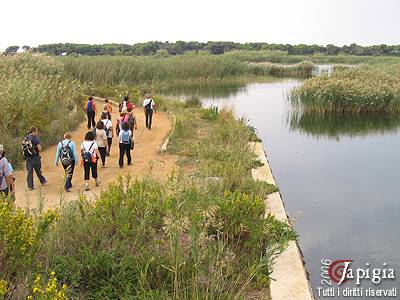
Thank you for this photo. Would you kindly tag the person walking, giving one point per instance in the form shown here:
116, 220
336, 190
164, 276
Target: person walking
6, 179
125, 144
90, 154
124, 104
67, 154
109, 131
108, 107
90, 109
106, 111
131, 119
102, 142
31, 148
149, 107
123, 118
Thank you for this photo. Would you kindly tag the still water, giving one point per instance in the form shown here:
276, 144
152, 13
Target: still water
339, 177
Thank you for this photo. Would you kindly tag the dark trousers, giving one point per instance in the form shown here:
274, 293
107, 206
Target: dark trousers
87, 166
103, 152
34, 163
90, 119
124, 148
109, 140
149, 118
69, 172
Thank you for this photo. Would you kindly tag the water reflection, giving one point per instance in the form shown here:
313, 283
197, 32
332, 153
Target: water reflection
336, 126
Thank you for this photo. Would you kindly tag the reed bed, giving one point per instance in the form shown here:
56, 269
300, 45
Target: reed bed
35, 91
363, 89
138, 70
303, 69
281, 57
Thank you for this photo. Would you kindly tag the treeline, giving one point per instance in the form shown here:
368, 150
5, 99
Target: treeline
180, 47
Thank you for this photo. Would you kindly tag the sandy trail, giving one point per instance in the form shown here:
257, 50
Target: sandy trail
145, 154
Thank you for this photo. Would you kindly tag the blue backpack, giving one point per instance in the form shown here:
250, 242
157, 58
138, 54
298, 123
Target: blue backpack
125, 137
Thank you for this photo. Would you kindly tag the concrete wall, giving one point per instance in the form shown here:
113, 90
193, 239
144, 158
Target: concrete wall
290, 279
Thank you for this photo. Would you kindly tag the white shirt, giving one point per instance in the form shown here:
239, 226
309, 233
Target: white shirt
108, 124
147, 101
85, 146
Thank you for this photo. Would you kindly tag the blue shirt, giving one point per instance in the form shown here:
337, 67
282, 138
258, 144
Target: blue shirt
73, 149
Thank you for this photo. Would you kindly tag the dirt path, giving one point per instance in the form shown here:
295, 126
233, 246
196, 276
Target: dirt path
146, 155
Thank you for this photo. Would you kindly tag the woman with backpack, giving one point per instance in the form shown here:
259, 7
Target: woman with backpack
90, 154
125, 144
109, 131
101, 140
90, 109
123, 118
149, 107
106, 111
67, 154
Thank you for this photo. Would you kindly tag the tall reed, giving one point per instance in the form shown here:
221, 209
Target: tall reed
351, 91
35, 91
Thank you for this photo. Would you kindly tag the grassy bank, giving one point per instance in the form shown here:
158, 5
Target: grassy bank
365, 89
201, 234
35, 91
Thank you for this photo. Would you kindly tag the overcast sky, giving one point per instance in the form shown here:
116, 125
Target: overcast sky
365, 22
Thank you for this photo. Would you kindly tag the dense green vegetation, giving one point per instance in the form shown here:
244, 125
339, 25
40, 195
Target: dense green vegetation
351, 90
35, 91
180, 47
202, 234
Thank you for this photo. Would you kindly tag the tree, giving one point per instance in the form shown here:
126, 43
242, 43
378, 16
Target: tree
11, 50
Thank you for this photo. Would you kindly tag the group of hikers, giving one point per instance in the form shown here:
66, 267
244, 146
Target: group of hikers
96, 145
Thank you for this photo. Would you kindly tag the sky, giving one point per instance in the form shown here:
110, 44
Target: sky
339, 22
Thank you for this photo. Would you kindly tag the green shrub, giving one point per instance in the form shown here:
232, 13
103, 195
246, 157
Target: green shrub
210, 113
172, 240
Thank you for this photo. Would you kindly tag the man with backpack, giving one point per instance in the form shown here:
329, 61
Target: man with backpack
31, 149
149, 107
6, 178
90, 109
67, 154
131, 119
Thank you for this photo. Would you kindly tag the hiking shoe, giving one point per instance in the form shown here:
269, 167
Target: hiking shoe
98, 182
67, 190
86, 187
130, 164
44, 182
31, 189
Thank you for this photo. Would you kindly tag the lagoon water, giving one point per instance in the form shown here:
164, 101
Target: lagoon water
339, 177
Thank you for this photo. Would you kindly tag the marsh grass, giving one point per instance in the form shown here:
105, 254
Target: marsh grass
138, 70
36, 91
365, 89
